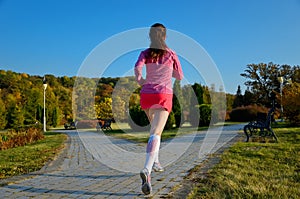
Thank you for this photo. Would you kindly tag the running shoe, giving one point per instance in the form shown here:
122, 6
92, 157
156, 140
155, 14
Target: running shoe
146, 184
157, 167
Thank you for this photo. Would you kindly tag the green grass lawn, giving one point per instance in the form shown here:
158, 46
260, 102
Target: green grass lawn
143, 137
31, 157
255, 170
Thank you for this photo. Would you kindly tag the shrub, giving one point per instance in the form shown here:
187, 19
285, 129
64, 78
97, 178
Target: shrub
171, 121
246, 113
200, 115
291, 103
138, 120
205, 114
20, 137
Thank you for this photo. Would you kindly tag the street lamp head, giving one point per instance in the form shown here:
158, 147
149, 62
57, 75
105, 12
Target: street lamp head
44, 82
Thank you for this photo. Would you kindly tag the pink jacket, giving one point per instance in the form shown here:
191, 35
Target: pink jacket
158, 74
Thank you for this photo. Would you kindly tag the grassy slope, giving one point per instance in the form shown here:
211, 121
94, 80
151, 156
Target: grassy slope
31, 157
256, 170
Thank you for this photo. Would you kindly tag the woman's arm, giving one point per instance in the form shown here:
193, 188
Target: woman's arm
177, 70
138, 69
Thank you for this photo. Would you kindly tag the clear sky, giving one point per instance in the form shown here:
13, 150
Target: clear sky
55, 36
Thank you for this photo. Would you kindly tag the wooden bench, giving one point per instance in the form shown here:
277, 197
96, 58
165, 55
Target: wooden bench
104, 124
71, 125
261, 127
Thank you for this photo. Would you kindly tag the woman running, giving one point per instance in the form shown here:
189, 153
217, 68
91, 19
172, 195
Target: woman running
156, 94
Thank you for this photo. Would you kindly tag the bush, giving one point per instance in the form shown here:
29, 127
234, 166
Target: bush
20, 137
171, 121
205, 114
246, 113
138, 120
200, 115
291, 103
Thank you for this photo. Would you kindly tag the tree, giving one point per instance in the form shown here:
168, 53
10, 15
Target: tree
14, 116
230, 101
198, 90
260, 79
238, 101
84, 98
124, 97
119, 108
39, 113
296, 74
138, 120
104, 109
291, 103
33, 98
218, 102
249, 98
177, 102
206, 95
3, 113
104, 90
55, 116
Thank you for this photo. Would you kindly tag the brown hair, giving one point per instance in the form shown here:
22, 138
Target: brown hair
158, 45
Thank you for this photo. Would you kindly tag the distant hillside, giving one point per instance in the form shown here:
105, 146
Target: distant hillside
21, 98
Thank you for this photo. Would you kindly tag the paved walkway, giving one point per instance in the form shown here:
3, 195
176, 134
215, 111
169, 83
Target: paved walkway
84, 172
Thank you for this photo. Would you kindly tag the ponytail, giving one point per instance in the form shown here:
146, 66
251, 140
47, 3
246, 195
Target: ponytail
158, 45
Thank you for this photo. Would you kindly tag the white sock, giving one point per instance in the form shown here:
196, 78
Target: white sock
156, 157
152, 151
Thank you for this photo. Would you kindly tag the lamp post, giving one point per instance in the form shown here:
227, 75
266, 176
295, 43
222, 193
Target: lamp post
280, 79
45, 87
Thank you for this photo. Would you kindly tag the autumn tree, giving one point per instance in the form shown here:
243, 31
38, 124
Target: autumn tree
291, 103
262, 79
104, 109
3, 113
84, 98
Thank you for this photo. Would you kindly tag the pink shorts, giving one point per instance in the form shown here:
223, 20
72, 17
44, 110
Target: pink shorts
156, 100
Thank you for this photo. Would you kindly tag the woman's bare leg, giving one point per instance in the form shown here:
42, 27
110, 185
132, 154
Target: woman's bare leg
158, 118
150, 117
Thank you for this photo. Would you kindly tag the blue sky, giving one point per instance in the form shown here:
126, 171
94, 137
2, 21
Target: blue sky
55, 36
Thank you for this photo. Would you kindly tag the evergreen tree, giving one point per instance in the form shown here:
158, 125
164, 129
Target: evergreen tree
15, 117
198, 90
39, 114
177, 102
55, 116
249, 98
206, 95
3, 120
238, 101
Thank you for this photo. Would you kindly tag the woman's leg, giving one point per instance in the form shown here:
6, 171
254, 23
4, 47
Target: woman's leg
150, 117
158, 118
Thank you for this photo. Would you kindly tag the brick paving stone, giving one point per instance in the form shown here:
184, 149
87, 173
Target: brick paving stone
81, 173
